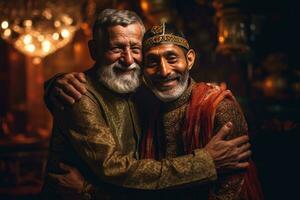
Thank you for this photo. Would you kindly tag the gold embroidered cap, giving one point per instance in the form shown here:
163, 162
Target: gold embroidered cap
164, 34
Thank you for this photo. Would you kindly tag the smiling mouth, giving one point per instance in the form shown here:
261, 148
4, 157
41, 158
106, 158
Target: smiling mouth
124, 70
166, 84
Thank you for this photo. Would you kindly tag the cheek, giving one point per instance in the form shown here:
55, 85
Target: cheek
111, 58
181, 67
138, 59
149, 72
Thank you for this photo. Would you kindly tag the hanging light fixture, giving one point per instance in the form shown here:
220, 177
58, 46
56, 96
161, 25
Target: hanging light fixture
232, 34
232, 27
39, 28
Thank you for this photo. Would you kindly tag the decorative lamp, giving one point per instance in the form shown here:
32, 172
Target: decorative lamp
39, 28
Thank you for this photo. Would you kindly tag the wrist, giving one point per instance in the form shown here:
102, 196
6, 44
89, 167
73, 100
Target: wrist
87, 190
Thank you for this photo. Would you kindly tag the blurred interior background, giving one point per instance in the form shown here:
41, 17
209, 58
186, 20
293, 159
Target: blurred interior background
248, 45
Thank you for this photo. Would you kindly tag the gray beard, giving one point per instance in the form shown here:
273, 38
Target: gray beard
173, 94
123, 83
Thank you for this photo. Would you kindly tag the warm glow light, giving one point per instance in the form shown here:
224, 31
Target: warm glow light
65, 33
77, 48
4, 24
144, 5
55, 36
30, 48
27, 23
57, 23
221, 39
268, 83
36, 60
47, 13
27, 39
46, 45
225, 33
7, 33
16, 28
39, 29
41, 38
67, 20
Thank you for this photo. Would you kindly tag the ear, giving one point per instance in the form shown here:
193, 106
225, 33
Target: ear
191, 56
93, 49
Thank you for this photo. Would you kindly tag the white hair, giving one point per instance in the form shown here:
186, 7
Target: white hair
111, 17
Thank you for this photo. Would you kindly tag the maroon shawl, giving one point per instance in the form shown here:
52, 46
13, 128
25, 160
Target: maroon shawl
197, 132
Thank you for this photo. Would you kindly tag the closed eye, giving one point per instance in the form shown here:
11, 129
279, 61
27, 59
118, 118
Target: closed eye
172, 59
116, 49
136, 49
151, 63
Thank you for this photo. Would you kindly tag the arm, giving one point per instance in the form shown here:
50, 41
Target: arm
75, 181
228, 185
88, 132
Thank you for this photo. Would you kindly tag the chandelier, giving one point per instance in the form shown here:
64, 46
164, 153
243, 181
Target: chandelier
38, 28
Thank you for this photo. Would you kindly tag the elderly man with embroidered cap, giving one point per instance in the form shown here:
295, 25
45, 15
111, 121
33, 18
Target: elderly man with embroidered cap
100, 133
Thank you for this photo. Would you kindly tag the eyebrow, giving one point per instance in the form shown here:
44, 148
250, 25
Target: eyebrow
151, 56
170, 52
165, 53
136, 43
120, 43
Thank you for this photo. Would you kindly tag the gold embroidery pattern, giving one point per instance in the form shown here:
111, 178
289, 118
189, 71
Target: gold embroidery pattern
172, 123
228, 111
228, 188
157, 29
165, 39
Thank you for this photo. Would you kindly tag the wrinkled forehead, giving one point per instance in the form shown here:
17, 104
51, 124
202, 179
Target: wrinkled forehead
120, 33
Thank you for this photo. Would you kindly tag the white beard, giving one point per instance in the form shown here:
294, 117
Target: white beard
174, 93
120, 83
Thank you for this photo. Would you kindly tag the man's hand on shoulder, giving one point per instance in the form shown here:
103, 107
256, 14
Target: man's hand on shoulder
67, 89
229, 154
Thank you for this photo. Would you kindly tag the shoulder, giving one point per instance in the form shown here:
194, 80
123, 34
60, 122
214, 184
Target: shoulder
83, 115
89, 102
229, 110
207, 91
227, 107
93, 96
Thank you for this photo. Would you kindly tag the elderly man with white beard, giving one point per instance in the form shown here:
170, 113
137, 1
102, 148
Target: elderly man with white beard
100, 133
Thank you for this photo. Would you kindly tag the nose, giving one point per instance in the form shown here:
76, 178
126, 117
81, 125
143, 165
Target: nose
164, 69
127, 58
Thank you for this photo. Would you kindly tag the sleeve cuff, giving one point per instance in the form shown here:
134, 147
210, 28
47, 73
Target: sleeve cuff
211, 169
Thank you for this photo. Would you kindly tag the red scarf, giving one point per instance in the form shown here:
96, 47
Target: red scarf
197, 132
